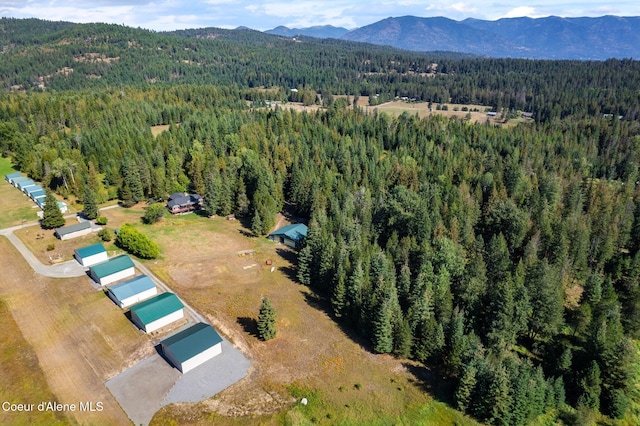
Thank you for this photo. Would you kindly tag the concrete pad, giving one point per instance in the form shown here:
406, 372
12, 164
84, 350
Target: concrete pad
212, 377
141, 389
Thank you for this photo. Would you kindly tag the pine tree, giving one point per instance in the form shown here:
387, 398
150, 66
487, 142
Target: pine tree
90, 204
267, 320
466, 386
382, 338
51, 216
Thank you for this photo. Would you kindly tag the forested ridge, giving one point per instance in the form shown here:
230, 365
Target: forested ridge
505, 259
61, 56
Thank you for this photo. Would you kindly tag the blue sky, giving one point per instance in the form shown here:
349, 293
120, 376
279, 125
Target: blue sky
163, 15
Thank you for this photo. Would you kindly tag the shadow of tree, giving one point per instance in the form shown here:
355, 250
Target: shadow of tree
249, 325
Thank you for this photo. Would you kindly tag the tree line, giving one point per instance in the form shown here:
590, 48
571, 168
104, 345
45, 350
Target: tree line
506, 259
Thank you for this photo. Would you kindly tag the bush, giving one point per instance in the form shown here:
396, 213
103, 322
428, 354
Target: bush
154, 213
136, 243
105, 235
101, 220
51, 247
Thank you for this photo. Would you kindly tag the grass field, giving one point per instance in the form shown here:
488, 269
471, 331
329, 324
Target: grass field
16, 206
222, 273
80, 339
21, 378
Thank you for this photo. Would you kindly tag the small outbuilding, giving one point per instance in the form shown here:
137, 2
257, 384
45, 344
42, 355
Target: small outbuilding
17, 180
157, 312
181, 202
114, 269
25, 184
31, 189
192, 347
73, 231
91, 255
11, 176
290, 235
38, 195
132, 291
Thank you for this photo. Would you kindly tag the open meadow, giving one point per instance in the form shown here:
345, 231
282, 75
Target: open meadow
222, 271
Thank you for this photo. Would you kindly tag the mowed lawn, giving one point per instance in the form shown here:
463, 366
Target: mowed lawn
72, 333
223, 273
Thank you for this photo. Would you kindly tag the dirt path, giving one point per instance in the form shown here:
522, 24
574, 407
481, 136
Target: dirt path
71, 331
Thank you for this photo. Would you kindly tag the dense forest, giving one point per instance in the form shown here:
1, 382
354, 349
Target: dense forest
38, 55
506, 259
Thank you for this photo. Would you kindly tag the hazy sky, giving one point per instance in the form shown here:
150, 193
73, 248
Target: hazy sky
266, 14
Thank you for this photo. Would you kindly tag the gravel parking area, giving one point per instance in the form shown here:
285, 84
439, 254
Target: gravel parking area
153, 383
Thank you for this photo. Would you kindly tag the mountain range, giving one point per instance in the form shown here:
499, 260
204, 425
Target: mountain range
535, 38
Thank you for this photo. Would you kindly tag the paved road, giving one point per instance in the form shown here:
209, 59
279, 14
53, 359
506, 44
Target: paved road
67, 269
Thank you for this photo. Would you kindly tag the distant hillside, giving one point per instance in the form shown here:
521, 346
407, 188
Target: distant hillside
324, 31
542, 38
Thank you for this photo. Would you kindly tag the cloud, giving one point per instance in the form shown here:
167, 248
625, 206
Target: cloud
521, 11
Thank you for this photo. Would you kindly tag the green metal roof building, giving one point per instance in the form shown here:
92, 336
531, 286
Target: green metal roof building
157, 312
91, 255
114, 269
290, 235
192, 347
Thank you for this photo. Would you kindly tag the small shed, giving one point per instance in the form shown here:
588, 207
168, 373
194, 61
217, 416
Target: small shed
16, 180
25, 184
132, 291
61, 205
31, 189
290, 235
114, 269
192, 347
73, 231
91, 255
10, 176
38, 195
157, 312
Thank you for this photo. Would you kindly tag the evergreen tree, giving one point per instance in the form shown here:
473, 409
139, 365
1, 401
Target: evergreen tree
90, 204
51, 215
382, 337
466, 387
267, 320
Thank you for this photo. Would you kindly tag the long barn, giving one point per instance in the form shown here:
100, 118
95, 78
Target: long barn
115, 269
192, 347
132, 291
91, 255
155, 313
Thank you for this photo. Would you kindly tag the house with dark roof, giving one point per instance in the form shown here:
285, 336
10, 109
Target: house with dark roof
91, 255
157, 312
115, 269
73, 231
181, 202
290, 235
192, 347
132, 291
